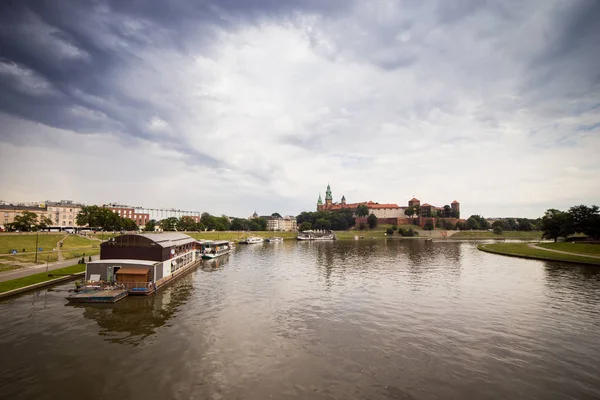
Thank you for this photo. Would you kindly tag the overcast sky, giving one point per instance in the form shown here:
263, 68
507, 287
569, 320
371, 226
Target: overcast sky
231, 106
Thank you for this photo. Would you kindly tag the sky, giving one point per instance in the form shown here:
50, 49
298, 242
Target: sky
233, 106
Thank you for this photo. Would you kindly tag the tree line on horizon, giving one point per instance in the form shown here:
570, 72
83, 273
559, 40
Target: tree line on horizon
579, 219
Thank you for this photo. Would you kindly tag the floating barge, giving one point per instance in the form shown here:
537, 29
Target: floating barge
99, 296
137, 264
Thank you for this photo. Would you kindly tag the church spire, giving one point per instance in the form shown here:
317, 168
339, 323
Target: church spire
319, 202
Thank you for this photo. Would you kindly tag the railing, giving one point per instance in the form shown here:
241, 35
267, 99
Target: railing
134, 287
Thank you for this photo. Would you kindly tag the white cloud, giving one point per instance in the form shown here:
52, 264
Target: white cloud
382, 102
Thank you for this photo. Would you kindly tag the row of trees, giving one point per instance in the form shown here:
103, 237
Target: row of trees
401, 231
105, 219
335, 220
578, 219
208, 223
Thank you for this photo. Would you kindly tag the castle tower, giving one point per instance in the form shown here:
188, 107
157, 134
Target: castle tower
414, 202
328, 196
343, 200
455, 209
319, 203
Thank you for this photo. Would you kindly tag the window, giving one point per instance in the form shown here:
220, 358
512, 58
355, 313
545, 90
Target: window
70, 210
6, 221
70, 222
64, 223
64, 216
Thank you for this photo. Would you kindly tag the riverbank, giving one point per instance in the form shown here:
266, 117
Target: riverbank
512, 235
35, 281
525, 250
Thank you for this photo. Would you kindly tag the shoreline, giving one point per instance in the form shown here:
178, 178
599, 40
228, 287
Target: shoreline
535, 254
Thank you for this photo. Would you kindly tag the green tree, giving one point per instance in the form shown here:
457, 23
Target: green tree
168, 224
186, 224
372, 221
555, 224
389, 231
239, 224
150, 226
410, 211
45, 222
128, 224
26, 222
585, 220
497, 229
428, 225
98, 217
305, 226
362, 211
394, 228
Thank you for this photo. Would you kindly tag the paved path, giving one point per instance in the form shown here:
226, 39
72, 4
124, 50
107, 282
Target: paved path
535, 246
36, 269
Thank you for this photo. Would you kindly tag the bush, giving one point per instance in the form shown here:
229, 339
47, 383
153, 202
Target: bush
394, 228
428, 226
372, 221
389, 231
362, 226
497, 230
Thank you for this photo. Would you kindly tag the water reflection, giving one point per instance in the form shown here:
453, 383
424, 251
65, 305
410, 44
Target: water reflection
214, 264
135, 318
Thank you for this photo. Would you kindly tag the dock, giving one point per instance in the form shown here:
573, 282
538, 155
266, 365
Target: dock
99, 296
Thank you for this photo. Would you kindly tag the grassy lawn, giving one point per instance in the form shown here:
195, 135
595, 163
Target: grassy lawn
523, 250
534, 235
580, 248
79, 242
27, 242
235, 236
37, 278
80, 253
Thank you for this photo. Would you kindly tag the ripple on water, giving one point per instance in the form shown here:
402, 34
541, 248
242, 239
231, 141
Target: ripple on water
351, 319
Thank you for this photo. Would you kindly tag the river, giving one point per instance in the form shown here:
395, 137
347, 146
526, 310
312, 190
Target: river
398, 319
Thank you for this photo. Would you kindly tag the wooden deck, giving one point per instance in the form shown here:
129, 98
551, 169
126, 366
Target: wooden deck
99, 296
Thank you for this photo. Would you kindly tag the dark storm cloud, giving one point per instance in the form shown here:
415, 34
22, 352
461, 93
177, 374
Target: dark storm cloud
74, 47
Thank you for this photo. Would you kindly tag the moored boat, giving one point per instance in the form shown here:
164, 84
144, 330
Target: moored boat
274, 239
252, 240
213, 249
312, 235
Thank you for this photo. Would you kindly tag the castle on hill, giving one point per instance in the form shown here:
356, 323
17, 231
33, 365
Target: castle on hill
414, 209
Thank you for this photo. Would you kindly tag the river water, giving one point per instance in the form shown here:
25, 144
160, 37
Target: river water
398, 319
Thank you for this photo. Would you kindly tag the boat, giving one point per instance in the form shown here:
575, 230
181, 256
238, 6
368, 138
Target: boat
312, 235
215, 248
252, 240
274, 239
136, 264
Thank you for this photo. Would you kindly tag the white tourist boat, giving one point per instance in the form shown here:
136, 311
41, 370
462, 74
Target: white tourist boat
275, 239
252, 240
215, 248
312, 235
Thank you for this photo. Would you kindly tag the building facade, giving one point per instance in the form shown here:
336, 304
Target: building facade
8, 212
64, 213
124, 211
284, 224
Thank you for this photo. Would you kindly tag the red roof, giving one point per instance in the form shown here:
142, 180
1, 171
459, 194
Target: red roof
414, 199
369, 204
455, 202
426, 205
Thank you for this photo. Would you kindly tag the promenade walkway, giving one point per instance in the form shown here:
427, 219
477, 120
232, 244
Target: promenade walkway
533, 245
36, 269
